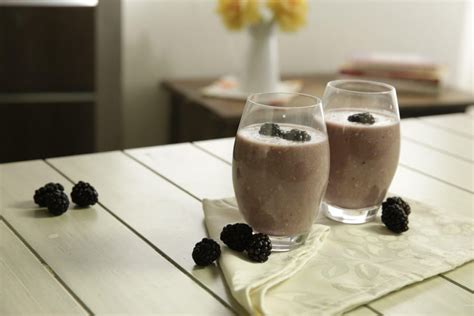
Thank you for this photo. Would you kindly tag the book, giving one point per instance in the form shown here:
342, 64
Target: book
408, 73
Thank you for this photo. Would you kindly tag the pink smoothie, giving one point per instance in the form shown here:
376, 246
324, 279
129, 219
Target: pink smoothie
364, 158
279, 184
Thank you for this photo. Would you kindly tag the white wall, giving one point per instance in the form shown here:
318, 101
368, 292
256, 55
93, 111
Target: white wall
109, 125
465, 78
185, 38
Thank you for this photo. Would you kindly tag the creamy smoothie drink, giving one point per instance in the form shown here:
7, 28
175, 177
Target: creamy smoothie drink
280, 183
363, 126
364, 158
280, 165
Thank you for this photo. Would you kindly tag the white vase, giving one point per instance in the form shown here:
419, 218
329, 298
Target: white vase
260, 71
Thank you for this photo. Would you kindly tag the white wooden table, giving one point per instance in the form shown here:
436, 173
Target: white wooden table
132, 252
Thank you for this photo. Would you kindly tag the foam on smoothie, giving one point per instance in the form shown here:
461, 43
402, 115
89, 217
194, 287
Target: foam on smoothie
252, 132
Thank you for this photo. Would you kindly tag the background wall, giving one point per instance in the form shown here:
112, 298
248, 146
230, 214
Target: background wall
109, 124
185, 38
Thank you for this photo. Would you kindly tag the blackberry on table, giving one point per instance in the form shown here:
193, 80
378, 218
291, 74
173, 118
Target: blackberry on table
297, 135
206, 252
84, 194
397, 200
58, 202
364, 118
395, 218
270, 129
260, 248
236, 236
41, 195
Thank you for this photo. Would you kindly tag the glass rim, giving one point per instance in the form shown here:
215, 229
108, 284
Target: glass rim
333, 84
318, 101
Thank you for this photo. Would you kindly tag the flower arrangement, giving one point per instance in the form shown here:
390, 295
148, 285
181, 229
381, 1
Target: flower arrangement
290, 15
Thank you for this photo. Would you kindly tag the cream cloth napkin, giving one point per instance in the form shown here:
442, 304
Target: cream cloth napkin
344, 267
249, 281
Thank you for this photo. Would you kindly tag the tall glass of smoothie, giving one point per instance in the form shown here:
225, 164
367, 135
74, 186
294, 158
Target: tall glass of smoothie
363, 125
280, 165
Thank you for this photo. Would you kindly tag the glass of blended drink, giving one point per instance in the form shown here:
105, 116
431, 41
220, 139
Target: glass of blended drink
363, 125
280, 165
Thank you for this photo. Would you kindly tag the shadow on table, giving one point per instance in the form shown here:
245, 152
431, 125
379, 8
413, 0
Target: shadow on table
380, 229
35, 213
31, 210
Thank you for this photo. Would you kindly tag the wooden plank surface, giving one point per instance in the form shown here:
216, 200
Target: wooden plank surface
440, 195
220, 148
406, 180
163, 214
199, 183
438, 139
444, 167
27, 287
457, 123
203, 177
103, 262
470, 111
463, 275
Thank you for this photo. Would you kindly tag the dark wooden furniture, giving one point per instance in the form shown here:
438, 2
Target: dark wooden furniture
47, 81
195, 117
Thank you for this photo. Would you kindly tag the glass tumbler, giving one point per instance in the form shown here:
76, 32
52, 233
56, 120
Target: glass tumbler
280, 165
363, 125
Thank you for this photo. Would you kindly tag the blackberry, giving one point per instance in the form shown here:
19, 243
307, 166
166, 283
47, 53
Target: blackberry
84, 194
297, 135
236, 236
364, 118
397, 200
270, 129
260, 248
58, 202
41, 195
206, 252
395, 218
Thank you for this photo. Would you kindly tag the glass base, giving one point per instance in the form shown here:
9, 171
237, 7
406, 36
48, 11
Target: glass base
287, 243
350, 216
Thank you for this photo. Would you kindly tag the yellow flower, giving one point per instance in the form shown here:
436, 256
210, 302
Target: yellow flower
289, 14
238, 13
